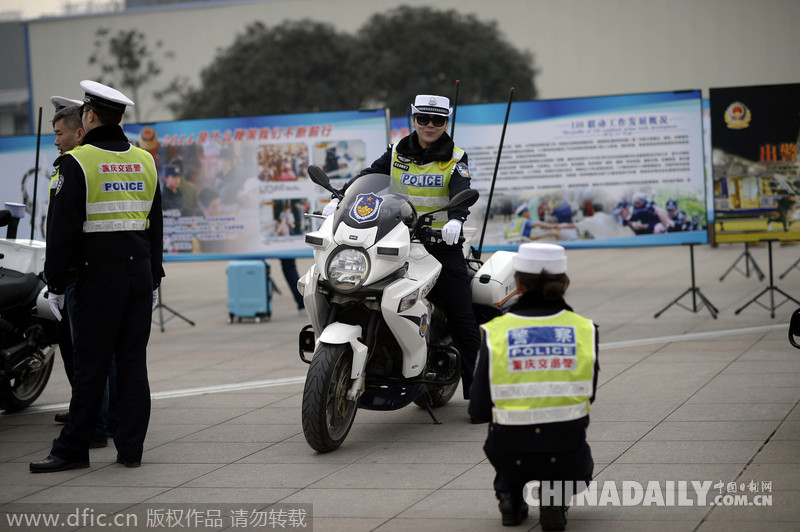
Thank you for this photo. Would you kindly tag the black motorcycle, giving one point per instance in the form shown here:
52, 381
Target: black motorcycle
28, 332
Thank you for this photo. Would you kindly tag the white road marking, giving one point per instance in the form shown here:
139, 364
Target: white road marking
254, 385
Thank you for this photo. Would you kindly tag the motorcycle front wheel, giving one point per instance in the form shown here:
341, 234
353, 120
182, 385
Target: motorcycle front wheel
327, 412
18, 393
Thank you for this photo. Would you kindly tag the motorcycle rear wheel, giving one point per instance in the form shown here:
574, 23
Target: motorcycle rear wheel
439, 395
21, 393
327, 413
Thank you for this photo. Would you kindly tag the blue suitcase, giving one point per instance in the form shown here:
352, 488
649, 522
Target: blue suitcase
249, 290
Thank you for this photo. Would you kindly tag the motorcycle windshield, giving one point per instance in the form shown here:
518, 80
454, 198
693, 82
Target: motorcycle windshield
376, 200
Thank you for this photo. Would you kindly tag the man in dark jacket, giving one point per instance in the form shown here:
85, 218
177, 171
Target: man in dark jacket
536, 375
107, 224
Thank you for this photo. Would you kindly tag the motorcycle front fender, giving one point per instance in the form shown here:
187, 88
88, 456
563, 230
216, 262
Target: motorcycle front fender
342, 333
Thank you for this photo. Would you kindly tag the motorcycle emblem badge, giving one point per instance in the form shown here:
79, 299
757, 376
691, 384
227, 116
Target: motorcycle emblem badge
423, 325
366, 207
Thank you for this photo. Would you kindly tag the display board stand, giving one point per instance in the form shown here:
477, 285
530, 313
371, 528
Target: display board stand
696, 293
771, 288
748, 259
161, 307
792, 267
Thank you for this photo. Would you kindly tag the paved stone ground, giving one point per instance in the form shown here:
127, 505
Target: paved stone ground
682, 397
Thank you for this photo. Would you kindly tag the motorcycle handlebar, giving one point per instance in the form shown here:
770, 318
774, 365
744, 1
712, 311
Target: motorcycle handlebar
428, 235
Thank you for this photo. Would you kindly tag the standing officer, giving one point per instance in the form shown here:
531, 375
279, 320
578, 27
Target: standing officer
430, 151
536, 375
107, 223
68, 131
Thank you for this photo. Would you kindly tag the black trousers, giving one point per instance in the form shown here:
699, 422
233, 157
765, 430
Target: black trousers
514, 470
113, 309
453, 294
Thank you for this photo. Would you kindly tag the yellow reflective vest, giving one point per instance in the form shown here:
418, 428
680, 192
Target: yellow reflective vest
514, 229
428, 184
120, 187
541, 368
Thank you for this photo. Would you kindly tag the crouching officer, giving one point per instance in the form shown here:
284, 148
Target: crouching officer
535, 378
107, 224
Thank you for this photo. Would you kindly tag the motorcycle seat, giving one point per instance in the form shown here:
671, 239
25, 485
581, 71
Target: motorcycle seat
16, 287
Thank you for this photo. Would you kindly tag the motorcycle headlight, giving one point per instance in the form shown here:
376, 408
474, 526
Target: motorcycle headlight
348, 269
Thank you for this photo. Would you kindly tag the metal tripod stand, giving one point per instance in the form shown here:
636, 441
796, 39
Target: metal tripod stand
696, 293
771, 288
161, 307
748, 259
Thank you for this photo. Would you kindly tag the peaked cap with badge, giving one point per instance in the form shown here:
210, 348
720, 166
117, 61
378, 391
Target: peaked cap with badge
105, 96
431, 104
59, 102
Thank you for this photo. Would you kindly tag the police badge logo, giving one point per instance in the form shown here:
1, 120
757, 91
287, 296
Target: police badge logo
366, 207
423, 325
737, 116
462, 169
59, 183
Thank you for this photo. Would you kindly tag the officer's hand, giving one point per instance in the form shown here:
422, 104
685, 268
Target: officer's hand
56, 302
451, 231
330, 208
155, 298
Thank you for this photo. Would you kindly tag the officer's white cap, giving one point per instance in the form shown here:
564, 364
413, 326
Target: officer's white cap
59, 102
105, 96
522, 208
430, 104
535, 257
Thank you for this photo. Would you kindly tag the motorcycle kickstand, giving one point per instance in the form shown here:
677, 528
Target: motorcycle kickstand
427, 405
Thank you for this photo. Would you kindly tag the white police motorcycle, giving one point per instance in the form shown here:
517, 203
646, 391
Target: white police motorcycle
28, 335
377, 342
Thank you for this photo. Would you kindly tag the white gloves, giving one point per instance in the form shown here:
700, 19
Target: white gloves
451, 231
56, 302
155, 299
330, 208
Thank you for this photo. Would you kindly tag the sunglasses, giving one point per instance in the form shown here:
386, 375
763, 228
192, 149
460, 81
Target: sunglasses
437, 120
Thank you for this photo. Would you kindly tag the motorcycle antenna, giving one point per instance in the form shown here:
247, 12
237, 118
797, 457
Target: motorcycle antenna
477, 253
455, 108
36, 172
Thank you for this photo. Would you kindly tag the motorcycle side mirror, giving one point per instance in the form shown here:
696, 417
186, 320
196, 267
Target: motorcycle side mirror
319, 177
465, 198
794, 329
5, 217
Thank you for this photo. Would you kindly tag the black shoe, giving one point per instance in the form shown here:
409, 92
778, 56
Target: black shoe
98, 443
553, 517
62, 417
128, 463
513, 512
52, 464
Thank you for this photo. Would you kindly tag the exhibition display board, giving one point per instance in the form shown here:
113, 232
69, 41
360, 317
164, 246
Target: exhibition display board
754, 140
605, 171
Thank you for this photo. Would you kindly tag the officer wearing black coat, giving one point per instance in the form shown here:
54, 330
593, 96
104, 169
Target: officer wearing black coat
107, 224
522, 451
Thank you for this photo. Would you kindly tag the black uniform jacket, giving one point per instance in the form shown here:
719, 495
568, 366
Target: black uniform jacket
441, 150
69, 248
562, 436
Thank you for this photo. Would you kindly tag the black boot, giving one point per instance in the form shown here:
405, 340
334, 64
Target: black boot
553, 517
513, 509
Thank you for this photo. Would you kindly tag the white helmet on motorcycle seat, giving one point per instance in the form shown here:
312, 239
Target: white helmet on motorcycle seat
535, 257
430, 104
